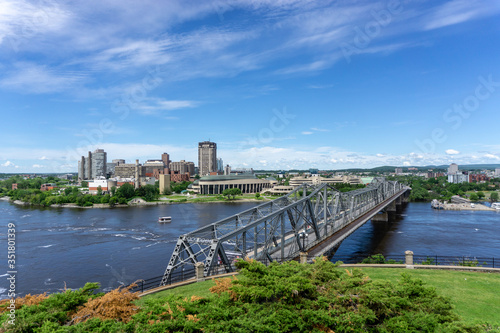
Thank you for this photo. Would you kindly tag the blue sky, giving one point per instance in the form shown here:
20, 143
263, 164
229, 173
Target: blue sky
278, 84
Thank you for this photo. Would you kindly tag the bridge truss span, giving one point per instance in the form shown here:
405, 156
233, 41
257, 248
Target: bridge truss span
278, 229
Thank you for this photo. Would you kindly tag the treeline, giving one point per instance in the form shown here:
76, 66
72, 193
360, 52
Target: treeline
29, 191
427, 189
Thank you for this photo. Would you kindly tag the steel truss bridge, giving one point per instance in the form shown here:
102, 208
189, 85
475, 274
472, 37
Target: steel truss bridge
312, 219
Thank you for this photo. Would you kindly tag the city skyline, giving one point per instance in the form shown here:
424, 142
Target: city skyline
276, 84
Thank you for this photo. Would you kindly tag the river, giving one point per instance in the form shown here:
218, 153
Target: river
58, 247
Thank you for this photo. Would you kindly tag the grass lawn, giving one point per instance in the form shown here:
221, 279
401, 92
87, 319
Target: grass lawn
476, 296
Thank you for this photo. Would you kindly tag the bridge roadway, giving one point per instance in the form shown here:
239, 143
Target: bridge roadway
333, 240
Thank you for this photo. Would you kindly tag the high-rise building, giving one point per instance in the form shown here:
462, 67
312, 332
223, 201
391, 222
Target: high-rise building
182, 167
453, 169
93, 166
99, 159
497, 172
166, 160
220, 165
207, 157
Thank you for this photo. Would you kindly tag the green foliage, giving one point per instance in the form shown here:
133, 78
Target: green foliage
126, 191
179, 187
257, 195
474, 197
480, 194
466, 262
379, 259
148, 192
428, 261
84, 183
52, 312
231, 192
494, 196
290, 297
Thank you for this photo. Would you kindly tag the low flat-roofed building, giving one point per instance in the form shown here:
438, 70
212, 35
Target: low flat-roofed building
280, 189
217, 184
317, 179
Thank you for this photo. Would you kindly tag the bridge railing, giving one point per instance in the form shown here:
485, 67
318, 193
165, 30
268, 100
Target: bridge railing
418, 259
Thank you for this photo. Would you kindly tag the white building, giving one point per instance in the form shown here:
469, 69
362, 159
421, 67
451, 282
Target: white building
453, 169
458, 178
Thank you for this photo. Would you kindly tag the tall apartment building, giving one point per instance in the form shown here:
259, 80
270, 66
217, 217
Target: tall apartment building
453, 169
99, 159
93, 166
220, 166
166, 160
182, 167
497, 172
207, 157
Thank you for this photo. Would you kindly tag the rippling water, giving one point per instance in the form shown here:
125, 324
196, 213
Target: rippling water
58, 247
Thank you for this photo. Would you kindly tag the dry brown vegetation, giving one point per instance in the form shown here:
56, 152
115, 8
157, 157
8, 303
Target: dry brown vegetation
117, 304
222, 285
20, 301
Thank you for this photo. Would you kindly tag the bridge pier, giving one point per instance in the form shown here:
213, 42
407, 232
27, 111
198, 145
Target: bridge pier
381, 217
392, 207
303, 258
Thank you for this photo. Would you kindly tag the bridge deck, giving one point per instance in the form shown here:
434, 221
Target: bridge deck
335, 239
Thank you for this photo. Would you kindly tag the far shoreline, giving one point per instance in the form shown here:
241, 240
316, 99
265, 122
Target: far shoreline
135, 204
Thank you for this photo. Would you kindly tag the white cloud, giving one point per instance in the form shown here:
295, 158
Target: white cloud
307, 133
7, 164
155, 105
37, 166
491, 156
320, 129
459, 11
43, 158
452, 152
29, 77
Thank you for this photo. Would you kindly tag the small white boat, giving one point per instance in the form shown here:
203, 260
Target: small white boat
165, 219
496, 205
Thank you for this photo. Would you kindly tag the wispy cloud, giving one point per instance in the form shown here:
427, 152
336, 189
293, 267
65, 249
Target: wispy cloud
452, 152
30, 77
459, 11
154, 106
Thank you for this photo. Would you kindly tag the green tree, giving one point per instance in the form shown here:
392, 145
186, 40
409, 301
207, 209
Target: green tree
480, 194
113, 190
85, 184
99, 190
231, 192
494, 196
126, 191
257, 195
474, 197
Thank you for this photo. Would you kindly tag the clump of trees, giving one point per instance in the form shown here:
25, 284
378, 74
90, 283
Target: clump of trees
231, 193
428, 189
29, 191
289, 297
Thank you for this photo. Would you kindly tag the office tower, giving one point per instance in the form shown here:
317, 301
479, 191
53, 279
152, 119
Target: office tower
207, 157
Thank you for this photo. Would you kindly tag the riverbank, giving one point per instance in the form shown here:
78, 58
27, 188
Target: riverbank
467, 206
141, 202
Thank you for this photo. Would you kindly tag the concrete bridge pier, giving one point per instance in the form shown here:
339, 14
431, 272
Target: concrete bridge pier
382, 216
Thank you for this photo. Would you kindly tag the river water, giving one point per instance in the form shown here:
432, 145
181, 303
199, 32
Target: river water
58, 247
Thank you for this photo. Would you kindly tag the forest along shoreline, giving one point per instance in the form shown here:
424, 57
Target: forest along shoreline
136, 203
